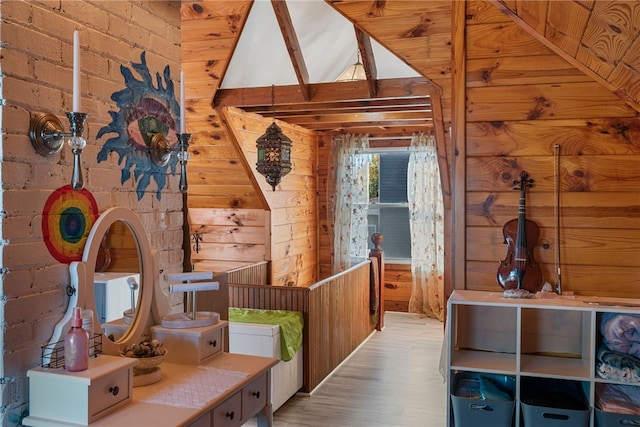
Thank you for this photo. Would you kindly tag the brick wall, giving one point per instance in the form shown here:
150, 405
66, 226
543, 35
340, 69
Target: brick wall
37, 51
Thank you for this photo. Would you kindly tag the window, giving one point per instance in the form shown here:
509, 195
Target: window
388, 204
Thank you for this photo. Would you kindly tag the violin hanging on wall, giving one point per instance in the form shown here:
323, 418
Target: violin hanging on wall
519, 270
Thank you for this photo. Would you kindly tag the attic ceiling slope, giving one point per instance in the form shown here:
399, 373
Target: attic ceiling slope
387, 108
210, 28
601, 38
417, 32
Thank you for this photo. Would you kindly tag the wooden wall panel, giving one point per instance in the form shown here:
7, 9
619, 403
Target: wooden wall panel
397, 287
326, 188
229, 237
589, 136
292, 213
210, 30
496, 208
545, 118
122, 249
505, 39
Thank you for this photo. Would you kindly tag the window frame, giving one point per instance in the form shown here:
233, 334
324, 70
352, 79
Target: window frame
376, 205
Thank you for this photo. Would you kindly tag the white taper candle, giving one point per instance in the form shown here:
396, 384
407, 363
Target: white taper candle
76, 71
183, 117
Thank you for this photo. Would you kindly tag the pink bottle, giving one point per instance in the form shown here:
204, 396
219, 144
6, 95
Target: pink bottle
76, 344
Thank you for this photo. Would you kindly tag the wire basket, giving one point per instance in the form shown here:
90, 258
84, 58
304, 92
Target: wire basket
52, 355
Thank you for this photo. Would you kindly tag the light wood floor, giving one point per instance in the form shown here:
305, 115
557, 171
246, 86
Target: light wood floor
393, 379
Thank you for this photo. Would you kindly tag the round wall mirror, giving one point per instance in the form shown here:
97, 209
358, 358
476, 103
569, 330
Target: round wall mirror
117, 279
150, 303
126, 223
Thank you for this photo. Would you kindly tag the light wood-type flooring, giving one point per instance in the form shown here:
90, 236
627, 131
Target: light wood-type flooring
393, 379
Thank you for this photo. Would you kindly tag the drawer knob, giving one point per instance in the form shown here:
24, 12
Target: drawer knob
114, 390
256, 394
213, 343
230, 415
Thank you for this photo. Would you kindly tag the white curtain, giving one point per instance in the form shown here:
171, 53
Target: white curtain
351, 200
426, 221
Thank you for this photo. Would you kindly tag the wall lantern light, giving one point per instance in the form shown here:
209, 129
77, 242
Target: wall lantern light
274, 153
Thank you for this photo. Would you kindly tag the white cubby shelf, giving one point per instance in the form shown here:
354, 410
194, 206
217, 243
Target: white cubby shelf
524, 339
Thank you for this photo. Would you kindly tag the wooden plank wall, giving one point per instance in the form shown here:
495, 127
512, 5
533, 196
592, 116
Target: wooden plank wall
397, 287
325, 172
230, 238
336, 315
216, 174
292, 227
122, 249
522, 100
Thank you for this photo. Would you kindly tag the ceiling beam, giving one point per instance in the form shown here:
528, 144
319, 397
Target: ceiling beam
381, 117
400, 104
384, 137
293, 46
368, 61
325, 92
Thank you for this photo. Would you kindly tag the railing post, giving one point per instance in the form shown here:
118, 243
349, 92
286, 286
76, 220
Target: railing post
377, 252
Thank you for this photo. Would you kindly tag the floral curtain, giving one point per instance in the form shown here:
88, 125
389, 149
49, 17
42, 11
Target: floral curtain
351, 199
426, 222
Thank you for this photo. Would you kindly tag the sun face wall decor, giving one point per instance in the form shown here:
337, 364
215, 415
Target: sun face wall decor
144, 110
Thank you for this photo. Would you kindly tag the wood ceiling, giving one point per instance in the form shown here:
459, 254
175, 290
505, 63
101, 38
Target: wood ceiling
598, 37
601, 38
387, 110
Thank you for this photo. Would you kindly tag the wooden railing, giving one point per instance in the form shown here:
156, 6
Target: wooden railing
336, 315
254, 274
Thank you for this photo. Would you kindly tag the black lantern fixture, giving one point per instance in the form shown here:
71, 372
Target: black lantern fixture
274, 153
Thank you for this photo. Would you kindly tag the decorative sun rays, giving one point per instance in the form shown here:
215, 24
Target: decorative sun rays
144, 110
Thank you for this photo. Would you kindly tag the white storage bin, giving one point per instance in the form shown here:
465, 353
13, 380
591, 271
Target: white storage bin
264, 340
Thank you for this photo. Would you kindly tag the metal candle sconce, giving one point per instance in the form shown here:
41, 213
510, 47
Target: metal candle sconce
47, 136
160, 152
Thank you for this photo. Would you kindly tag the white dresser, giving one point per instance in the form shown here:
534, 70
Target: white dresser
185, 396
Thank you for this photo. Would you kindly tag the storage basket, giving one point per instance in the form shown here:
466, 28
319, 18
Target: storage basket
612, 419
553, 403
471, 408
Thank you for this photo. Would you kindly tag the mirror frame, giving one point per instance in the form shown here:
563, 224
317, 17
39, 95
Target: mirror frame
84, 274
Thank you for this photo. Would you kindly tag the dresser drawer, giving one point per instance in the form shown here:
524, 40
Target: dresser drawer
254, 397
108, 391
229, 412
105, 386
203, 421
211, 343
191, 346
